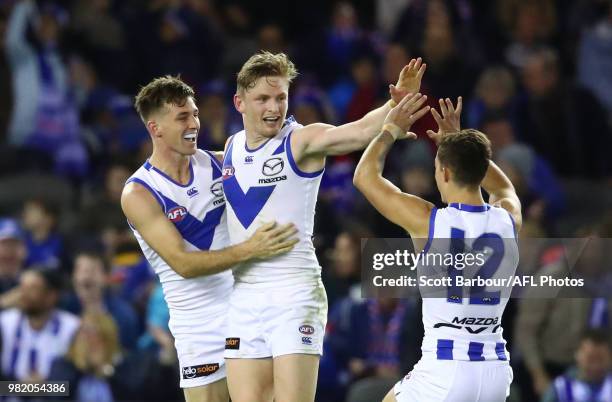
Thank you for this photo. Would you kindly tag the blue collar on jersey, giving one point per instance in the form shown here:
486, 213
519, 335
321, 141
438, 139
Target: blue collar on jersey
470, 208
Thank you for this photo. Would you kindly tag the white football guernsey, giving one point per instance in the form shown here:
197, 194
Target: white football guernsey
197, 210
263, 185
466, 325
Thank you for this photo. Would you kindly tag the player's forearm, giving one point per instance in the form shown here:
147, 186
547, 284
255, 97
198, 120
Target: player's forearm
496, 183
372, 162
201, 263
371, 124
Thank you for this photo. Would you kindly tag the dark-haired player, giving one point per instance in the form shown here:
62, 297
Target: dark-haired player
459, 363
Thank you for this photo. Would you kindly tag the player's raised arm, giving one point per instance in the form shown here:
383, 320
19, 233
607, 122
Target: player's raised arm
406, 210
324, 139
145, 214
496, 183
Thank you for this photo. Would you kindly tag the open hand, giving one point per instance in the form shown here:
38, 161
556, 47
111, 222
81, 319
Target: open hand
406, 113
409, 81
272, 239
449, 122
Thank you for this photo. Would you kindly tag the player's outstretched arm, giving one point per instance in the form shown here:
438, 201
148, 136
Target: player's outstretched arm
406, 210
324, 139
145, 214
496, 183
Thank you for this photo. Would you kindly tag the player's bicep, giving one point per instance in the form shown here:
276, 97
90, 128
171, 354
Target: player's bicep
405, 210
146, 215
325, 139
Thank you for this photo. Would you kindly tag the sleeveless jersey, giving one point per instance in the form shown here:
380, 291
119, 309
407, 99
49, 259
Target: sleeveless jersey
466, 325
197, 211
263, 185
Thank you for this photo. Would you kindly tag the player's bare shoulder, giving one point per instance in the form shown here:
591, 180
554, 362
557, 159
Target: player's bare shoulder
137, 202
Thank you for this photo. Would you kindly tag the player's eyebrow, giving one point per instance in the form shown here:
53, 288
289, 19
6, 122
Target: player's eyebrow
185, 113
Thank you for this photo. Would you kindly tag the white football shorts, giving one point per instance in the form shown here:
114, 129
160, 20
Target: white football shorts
275, 322
200, 340
455, 381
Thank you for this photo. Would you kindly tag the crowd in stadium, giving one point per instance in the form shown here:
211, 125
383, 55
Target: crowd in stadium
535, 76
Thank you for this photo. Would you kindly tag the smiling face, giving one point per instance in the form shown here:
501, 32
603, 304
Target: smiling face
264, 106
175, 127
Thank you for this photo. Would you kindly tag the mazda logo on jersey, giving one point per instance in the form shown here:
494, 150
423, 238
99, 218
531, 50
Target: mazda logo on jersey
217, 189
177, 214
201, 370
273, 166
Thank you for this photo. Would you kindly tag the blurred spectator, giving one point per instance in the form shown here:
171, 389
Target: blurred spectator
272, 38
158, 336
44, 114
239, 43
388, 14
591, 379
217, 120
595, 60
131, 276
373, 338
36, 332
96, 368
44, 244
13, 253
554, 115
102, 36
531, 25
543, 316
536, 184
342, 276
365, 93
344, 41
101, 213
91, 294
494, 93
449, 73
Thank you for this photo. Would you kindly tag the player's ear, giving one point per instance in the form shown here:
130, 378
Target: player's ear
446, 173
238, 103
153, 128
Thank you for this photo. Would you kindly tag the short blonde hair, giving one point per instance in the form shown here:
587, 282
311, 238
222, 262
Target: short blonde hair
265, 64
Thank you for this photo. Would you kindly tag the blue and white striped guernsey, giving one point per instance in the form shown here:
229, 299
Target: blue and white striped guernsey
26, 351
197, 210
462, 326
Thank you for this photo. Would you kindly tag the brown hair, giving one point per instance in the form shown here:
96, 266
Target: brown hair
467, 154
265, 64
159, 92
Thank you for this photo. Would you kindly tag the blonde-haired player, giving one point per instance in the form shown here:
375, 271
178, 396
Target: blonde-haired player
273, 168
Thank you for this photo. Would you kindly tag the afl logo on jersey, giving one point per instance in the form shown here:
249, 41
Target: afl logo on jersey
228, 171
177, 214
273, 166
217, 189
307, 329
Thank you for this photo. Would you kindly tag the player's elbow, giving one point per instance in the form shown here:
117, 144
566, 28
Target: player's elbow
359, 178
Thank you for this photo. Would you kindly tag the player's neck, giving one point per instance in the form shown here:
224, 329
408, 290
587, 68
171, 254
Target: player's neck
254, 139
174, 165
464, 196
